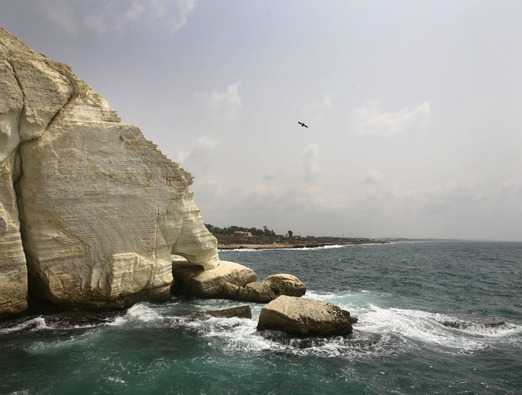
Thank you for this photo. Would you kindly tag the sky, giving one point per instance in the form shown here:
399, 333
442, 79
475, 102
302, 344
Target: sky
414, 107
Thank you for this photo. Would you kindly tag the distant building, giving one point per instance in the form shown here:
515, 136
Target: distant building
242, 233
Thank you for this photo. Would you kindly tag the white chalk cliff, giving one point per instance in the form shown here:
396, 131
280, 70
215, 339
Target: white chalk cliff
90, 211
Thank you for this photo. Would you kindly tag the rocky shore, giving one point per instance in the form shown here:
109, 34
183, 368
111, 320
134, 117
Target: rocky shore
94, 216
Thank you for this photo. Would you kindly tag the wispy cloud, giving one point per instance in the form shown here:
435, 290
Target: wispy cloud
373, 177
198, 152
75, 16
310, 158
227, 103
317, 109
183, 10
369, 119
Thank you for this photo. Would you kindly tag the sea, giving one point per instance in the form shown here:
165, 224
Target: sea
434, 317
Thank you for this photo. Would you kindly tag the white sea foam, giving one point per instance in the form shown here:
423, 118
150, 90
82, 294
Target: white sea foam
240, 249
422, 327
116, 380
140, 312
327, 247
319, 248
49, 346
239, 334
380, 331
501, 331
31, 324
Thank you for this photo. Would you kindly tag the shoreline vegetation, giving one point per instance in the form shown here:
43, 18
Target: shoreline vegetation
238, 237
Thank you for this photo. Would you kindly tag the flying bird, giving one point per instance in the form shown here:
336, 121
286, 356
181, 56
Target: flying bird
302, 124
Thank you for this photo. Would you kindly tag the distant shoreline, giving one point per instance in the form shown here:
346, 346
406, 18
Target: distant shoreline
281, 246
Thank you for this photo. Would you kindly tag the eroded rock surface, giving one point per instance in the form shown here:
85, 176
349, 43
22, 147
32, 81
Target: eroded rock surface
88, 206
305, 317
267, 290
237, 311
211, 283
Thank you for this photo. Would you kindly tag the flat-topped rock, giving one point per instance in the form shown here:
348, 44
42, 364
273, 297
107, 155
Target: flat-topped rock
236, 311
304, 317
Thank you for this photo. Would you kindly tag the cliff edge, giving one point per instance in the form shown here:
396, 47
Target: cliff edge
90, 211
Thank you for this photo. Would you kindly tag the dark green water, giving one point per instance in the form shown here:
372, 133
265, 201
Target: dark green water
401, 293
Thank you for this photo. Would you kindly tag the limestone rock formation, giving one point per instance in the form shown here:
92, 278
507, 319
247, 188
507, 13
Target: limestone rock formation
285, 284
210, 283
305, 317
88, 207
267, 290
237, 311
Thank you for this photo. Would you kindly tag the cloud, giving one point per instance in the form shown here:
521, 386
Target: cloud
318, 109
183, 10
310, 157
327, 102
454, 199
373, 177
75, 16
198, 157
227, 103
369, 119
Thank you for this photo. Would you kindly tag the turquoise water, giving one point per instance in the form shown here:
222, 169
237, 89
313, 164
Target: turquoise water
434, 317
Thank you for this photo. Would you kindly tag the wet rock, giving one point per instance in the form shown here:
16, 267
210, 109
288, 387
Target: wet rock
495, 324
285, 284
237, 311
211, 283
255, 292
304, 317
266, 290
454, 324
466, 324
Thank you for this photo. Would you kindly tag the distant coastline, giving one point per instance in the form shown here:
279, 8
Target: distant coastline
238, 238
277, 246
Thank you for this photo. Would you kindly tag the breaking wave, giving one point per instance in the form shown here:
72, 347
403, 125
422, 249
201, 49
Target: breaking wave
319, 248
422, 328
326, 247
28, 325
380, 331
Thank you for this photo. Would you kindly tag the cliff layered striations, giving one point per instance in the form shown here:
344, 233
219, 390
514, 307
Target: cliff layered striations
90, 211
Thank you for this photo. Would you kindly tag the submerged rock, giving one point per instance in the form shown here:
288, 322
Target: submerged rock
465, 324
100, 208
237, 311
305, 317
267, 290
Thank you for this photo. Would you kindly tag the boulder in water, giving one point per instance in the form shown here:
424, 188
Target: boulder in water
285, 284
305, 317
267, 290
237, 311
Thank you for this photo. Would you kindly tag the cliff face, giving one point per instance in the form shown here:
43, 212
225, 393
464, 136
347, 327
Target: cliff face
90, 211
